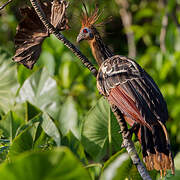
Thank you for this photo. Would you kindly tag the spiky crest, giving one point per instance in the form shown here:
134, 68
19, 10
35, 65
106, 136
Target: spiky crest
89, 20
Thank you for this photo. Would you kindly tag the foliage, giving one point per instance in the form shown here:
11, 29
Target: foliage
54, 124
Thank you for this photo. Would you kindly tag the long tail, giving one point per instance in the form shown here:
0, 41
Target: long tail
156, 148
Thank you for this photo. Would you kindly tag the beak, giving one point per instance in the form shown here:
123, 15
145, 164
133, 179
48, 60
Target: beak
80, 38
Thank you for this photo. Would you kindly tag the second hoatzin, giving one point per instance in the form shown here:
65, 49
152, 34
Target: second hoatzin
128, 87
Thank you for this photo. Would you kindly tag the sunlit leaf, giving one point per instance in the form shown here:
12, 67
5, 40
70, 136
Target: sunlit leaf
40, 89
68, 119
8, 83
56, 164
118, 169
50, 128
120, 166
47, 59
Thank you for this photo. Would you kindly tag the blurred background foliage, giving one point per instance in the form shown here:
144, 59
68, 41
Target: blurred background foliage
50, 105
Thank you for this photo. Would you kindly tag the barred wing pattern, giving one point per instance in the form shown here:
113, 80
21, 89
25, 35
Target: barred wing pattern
132, 90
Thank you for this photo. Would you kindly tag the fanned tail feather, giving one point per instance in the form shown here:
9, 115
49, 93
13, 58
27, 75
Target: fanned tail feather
156, 148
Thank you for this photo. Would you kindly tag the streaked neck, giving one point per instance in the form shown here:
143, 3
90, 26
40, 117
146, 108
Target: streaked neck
100, 51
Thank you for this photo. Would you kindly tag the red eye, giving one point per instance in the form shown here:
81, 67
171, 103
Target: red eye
85, 31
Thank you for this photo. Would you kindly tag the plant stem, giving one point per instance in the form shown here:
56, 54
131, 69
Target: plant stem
109, 133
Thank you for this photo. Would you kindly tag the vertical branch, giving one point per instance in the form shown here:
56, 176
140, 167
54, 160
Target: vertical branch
66, 42
129, 145
164, 28
163, 32
126, 17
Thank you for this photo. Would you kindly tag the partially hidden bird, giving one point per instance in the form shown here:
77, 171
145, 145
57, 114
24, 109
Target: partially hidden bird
128, 86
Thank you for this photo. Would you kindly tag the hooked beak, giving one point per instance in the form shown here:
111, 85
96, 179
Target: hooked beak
80, 38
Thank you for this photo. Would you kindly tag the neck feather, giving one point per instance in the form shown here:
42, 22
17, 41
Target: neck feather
100, 51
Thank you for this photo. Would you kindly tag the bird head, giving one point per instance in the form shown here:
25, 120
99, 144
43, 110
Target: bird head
86, 33
88, 30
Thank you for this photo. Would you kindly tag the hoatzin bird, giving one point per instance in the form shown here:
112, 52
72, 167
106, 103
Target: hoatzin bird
128, 87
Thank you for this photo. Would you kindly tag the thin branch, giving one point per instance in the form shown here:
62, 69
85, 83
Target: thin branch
4, 5
66, 42
129, 145
126, 17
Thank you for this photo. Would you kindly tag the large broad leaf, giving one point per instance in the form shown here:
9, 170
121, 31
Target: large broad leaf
100, 133
57, 164
31, 135
40, 89
68, 119
8, 82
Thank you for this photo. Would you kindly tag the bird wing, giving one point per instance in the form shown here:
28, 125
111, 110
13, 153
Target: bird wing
132, 90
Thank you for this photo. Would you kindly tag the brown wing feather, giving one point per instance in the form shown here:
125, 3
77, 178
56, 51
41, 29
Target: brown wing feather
127, 106
132, 90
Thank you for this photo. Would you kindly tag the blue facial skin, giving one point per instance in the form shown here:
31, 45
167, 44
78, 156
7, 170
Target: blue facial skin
85, 34
88, 32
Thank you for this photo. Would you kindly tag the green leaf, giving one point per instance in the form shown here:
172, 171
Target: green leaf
100, 133
9, 124
57, 164
29, 134
31, 111
75, 145
23, 73
23, 142
40, 89
47, 124
117, 169
144, 13
48, 61
68, 119
68, 71
50, 128
120, 166
8, 83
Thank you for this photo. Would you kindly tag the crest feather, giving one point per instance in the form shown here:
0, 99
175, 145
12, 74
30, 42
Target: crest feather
88, 20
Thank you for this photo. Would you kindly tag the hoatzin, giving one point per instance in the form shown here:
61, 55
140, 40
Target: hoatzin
127, 86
